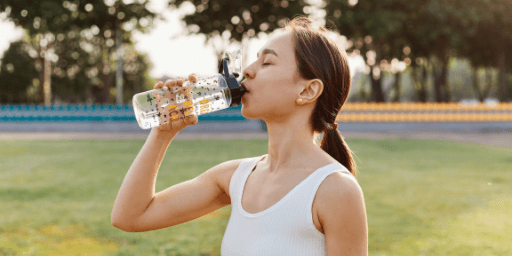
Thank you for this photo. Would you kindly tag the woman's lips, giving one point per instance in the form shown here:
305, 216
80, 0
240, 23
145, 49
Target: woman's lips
245, 87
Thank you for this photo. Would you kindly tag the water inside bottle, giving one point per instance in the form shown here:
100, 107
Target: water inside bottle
158, 107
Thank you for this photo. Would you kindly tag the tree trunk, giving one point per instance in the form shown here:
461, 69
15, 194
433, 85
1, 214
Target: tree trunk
398, 77
488, 85
41, 53
502, 80
47, 84
419, 85
119, 66
440, 84
424, 77
476, 85
376, 83
447, 92
104, 70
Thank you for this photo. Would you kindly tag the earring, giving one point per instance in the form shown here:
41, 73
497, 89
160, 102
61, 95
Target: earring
299, 101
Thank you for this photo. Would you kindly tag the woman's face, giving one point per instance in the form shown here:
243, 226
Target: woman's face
272, 81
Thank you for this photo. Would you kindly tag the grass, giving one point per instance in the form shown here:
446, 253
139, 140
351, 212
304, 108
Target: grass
422, 197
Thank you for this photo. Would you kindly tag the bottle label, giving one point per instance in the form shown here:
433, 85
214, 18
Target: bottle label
205, 108
173, 104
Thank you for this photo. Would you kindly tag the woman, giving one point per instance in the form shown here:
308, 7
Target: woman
300, 198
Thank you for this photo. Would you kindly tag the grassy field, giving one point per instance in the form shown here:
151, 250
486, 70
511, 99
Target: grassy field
422, 197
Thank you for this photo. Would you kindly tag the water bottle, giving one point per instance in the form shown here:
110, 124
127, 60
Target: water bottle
161, 106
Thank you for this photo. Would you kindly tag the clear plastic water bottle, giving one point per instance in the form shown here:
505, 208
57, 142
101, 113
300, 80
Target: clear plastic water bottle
161, 106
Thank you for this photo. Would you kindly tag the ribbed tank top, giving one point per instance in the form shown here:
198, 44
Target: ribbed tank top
286, 228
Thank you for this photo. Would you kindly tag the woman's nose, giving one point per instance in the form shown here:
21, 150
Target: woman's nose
248, 72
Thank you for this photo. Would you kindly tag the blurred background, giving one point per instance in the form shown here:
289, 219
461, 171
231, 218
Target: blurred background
429, 116
61, 52
100, 53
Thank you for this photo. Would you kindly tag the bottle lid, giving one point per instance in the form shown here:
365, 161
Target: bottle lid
237, 90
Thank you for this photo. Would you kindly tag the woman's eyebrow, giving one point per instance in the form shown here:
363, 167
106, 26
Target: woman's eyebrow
267, 51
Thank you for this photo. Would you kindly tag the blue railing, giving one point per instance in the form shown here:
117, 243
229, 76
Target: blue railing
71, 107
92, 113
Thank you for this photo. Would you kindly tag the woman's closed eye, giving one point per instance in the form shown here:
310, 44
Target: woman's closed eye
266, 63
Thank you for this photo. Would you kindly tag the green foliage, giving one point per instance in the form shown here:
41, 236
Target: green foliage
82, 34
433, 30
135, 73
487, 36
239, 19
422, 197
56, 16
71, 73
376, 30
17, 73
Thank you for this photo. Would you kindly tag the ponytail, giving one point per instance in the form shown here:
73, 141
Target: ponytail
334, 144
319, 57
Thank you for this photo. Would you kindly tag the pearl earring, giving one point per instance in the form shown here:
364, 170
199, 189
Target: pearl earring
299, 101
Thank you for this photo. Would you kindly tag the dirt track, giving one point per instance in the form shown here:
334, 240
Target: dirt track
500, 139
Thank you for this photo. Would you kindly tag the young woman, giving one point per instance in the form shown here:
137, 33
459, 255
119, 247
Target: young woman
299, 199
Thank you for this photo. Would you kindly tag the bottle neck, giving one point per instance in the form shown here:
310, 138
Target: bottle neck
236, 90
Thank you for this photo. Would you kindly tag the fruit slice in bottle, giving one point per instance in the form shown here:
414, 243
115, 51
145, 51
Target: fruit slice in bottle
160, 106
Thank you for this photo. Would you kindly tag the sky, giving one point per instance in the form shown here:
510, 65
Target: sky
171, 52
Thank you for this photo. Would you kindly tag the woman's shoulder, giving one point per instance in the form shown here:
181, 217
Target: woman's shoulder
224, 171
340, 182
339, 189
232, 165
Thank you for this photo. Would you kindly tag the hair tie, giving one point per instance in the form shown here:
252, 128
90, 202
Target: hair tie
334, 126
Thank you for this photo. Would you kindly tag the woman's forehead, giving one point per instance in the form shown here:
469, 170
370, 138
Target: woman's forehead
281, 44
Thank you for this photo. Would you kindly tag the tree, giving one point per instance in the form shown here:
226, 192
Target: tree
47, 20
376, 30
434, 31
238, 20
478, 30
17, 73
135, 67
490, 43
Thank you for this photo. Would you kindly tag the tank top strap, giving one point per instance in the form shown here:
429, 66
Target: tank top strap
321, 174
312, 186
238, 176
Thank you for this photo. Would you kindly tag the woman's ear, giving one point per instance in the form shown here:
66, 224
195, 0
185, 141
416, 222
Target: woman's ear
312, 90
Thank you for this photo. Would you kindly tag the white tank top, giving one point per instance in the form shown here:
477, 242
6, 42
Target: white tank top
286, 228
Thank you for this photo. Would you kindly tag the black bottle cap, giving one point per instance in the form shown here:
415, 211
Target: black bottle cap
237, 90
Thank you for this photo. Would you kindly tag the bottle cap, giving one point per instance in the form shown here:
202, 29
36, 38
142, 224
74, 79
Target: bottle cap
237, 90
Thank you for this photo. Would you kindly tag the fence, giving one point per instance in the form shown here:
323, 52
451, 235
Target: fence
425, 112
351, 112
92, 113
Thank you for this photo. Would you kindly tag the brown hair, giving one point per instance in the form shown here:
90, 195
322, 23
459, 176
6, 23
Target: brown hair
318, 57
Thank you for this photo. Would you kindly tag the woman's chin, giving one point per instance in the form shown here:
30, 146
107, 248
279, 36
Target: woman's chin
246, 113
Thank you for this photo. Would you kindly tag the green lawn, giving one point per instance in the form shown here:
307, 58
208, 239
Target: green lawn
422, 197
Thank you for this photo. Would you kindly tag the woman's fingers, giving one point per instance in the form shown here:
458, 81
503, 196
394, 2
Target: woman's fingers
170, 83
175, 82
192, 77
179, 81
192, 120
159, 85
179, 124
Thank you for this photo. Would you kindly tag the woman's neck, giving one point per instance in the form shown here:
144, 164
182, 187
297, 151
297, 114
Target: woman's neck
290, 144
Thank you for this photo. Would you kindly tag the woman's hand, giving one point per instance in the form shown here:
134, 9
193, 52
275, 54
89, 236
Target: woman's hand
175, 126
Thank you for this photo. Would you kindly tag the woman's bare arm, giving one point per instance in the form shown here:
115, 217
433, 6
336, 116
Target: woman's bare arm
342, 214
137, 206
138, 188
